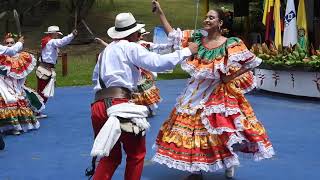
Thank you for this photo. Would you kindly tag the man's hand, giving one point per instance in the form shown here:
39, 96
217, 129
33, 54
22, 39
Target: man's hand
193, 47
21, 39
100, 41
75, 32
226, 78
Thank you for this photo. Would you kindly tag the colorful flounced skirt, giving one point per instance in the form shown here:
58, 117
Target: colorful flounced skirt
212, 138
147, 93
17, 116
36, 102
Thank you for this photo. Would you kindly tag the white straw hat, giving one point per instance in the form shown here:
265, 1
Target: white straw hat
143, 31
125, 24
53, 29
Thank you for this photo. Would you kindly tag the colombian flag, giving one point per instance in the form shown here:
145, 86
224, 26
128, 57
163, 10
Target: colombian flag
302, 25
277, 24
268, 20
271, 19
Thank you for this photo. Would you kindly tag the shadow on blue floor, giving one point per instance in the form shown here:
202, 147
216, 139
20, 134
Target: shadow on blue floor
59, 150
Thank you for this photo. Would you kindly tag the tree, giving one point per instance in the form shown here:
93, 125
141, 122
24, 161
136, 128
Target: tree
79, 10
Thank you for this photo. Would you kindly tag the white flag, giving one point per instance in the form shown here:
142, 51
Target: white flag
290, 28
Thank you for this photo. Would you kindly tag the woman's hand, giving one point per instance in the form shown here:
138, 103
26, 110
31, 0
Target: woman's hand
75, 32
193, 47
21, 39
156, 8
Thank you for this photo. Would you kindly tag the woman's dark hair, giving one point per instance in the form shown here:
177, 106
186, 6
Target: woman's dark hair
227, 21
220, 14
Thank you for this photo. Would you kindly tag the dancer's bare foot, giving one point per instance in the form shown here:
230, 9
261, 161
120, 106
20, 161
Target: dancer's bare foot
40, 116
194, 177
15, 132
2, 144
229, 172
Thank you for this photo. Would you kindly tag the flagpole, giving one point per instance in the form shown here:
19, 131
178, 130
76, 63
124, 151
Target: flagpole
206, 6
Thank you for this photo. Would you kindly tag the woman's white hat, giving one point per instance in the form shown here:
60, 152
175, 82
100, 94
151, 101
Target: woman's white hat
125, 24
53, 29
143, 31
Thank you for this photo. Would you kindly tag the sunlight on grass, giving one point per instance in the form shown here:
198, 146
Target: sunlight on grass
181, 13
80, 70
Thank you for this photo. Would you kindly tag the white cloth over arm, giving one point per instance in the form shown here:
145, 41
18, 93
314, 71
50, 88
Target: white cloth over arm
11, 51
49, 53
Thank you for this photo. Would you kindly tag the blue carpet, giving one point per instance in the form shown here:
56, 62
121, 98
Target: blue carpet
60, 148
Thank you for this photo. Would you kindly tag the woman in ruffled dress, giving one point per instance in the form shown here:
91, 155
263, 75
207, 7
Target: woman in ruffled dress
16, 116
212, 120
147, 92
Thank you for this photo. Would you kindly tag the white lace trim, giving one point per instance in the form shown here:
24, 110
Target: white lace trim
196, 166
242, 56
202, 73
21, 127
263, 153
212, 130
175, 38
254, 63
189, 111
220, 108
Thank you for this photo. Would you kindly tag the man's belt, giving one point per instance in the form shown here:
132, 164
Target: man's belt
113, 92
46, 65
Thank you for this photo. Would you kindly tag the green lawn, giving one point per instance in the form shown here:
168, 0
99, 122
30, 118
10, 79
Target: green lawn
80, 70
81, 59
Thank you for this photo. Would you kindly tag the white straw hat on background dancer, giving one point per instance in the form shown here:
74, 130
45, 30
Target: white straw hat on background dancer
143, 31
53, 29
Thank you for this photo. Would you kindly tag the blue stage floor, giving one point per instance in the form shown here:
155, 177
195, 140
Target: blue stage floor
59, 150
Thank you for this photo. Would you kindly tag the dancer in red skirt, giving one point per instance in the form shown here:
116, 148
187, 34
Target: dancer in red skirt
212, 120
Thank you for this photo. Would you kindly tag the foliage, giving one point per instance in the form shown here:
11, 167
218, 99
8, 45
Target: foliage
287, 58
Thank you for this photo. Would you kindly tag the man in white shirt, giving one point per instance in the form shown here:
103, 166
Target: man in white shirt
45, 72
115, 77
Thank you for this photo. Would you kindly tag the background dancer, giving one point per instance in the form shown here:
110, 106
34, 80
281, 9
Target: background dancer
45, 72
212, 120
147, 93
16, 114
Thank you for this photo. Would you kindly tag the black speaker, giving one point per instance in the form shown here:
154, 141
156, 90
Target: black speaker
241, 8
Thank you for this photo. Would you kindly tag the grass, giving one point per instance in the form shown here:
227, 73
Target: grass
80, 70
81, 59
